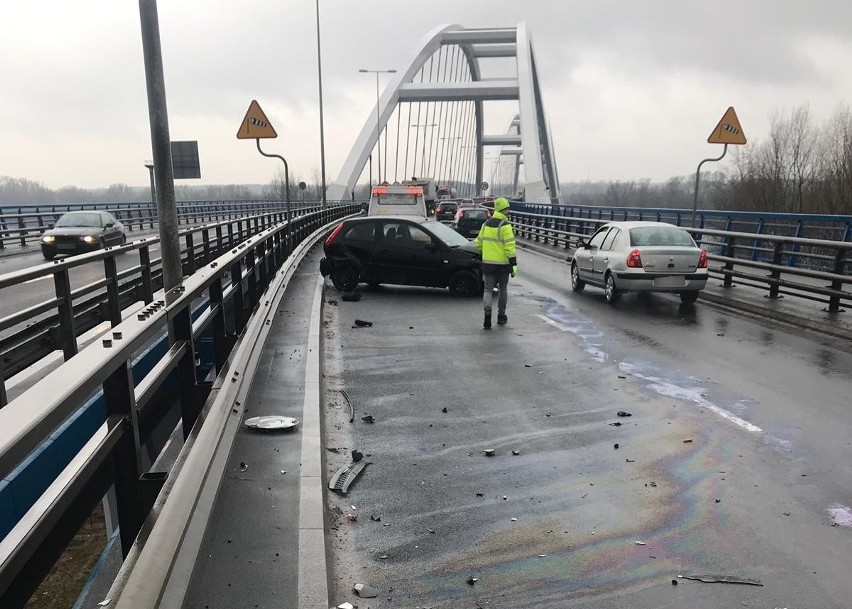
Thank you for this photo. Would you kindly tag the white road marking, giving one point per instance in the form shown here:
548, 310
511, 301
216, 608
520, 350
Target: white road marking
39, 279
657, 384
689, 394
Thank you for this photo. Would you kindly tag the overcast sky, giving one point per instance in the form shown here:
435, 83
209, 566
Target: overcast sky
632, 88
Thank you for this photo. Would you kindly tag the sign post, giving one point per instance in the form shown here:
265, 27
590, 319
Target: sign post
256, 126
727, 131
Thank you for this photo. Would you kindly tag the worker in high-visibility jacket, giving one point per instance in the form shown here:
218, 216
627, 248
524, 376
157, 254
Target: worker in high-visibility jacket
496, 242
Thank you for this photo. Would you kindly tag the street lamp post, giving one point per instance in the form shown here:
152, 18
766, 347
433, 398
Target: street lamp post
423, 154
150, 166
322, 131
378, 119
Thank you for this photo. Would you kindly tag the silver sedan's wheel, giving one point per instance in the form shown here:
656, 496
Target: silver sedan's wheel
612, 293
577, 284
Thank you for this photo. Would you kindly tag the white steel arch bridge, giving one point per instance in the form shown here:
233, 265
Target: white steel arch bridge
431, 120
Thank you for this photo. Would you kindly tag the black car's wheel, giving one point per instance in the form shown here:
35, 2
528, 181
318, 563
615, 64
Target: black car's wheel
577, 284
613, 294
464, 283
344, 278
689, 297
48, 255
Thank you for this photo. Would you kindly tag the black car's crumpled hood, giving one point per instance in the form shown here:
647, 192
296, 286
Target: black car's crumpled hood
470, 248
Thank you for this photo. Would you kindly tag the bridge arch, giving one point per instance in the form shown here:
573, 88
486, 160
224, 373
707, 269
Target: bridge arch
455, 95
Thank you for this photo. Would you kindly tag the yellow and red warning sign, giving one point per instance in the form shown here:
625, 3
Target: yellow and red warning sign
255, 125
728, 131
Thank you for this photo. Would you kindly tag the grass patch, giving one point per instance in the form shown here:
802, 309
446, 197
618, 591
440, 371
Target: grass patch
63, 584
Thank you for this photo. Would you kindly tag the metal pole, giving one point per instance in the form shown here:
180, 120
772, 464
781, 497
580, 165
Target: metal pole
697, 177
287, 191
322, 131
150, 167
378, 134
161, 145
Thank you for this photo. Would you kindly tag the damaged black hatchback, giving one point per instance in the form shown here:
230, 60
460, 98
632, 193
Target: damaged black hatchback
401, 251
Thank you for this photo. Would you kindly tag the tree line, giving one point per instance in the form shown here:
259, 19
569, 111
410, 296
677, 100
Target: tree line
801, 166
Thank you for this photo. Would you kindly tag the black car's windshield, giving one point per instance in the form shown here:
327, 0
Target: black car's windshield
445, 234
475, 214
660, 235
80, 219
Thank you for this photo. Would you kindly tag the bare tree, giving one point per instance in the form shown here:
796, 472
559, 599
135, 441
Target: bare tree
802, 148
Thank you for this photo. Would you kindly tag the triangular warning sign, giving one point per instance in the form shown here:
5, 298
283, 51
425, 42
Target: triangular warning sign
255, 125
728, 131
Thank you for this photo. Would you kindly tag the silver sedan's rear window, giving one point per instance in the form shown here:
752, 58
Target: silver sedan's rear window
660, 235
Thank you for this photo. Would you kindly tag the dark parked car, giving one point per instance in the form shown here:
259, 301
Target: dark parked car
469, 220
82, 231
446, 210
401, 250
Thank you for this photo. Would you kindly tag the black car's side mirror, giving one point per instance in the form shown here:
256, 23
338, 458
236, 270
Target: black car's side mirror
581, 243
109, 224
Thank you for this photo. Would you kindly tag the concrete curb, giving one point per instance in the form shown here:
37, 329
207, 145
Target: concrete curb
716, 301
313, 578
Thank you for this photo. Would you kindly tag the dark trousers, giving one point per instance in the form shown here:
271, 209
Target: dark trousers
498, 277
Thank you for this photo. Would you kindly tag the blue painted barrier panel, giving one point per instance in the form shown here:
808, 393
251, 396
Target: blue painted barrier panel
22, 488
7, 509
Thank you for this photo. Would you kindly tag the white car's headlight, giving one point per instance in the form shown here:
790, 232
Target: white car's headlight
89, 239
48, 239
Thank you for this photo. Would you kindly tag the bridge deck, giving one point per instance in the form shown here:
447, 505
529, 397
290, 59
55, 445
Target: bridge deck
429, 507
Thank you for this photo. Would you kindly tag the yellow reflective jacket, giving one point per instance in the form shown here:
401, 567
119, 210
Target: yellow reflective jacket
496, 241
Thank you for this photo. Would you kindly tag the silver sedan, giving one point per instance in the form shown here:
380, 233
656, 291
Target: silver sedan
640, 257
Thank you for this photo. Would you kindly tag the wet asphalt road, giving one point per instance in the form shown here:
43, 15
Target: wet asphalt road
737, 459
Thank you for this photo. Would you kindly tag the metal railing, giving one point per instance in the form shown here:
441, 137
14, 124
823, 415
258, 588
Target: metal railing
24, 224
58, 322
231, 287
776, 263
809, 226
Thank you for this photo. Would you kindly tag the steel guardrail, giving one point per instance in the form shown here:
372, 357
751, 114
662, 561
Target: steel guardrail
150, 579
24, 224
37, 334
234, 286
835, 227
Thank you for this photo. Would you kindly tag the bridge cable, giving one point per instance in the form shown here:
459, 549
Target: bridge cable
446, 139
407, 142
425, 125
455, 132
431, 121
396, 159
417, 132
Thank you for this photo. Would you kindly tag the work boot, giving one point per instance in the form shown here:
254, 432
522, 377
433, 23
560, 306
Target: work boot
486, 323
501, 318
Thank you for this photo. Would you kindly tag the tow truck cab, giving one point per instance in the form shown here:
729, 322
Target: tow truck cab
397, 200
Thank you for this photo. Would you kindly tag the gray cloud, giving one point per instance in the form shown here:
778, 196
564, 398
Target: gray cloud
73, 106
